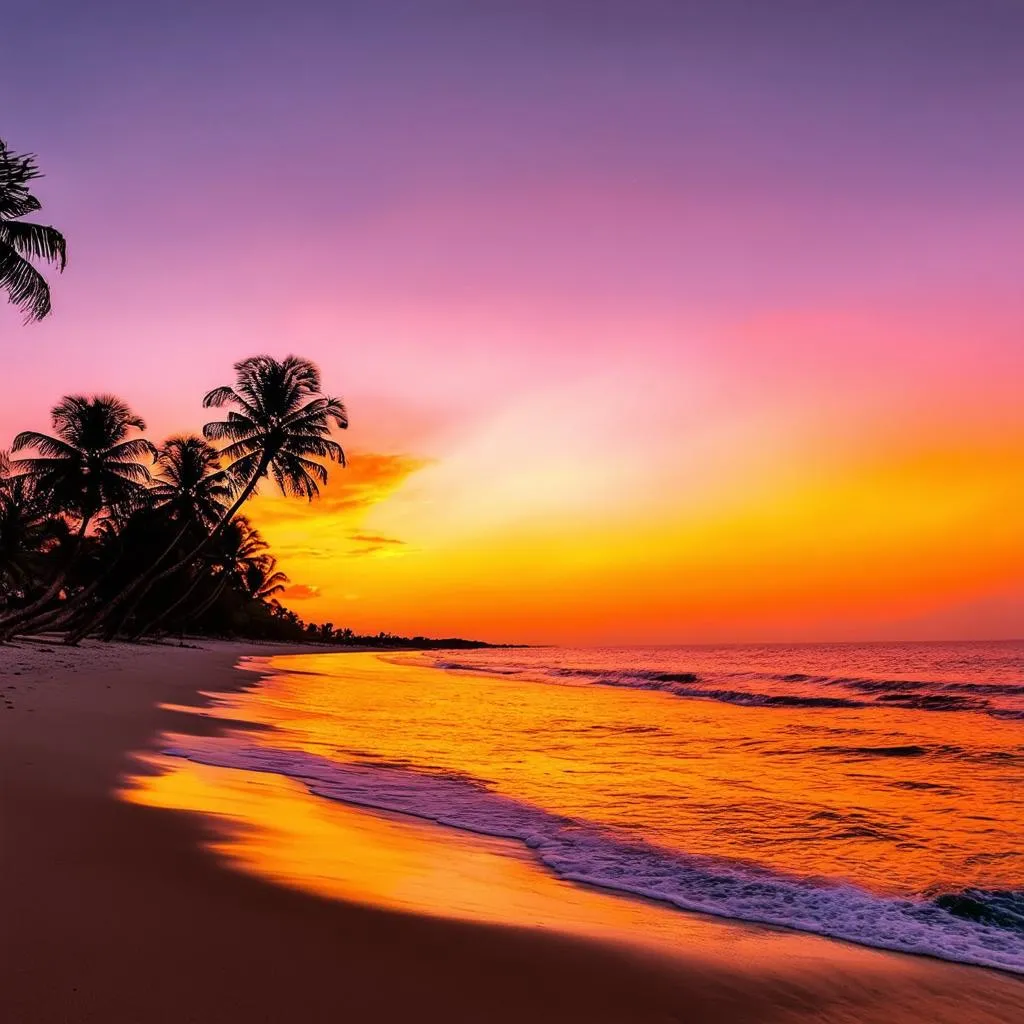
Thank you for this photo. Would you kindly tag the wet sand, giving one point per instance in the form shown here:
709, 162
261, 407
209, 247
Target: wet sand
116, 912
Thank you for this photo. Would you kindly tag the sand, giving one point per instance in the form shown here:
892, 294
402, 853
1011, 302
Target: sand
114, 912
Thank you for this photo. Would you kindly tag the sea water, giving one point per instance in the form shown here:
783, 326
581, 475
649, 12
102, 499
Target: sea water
869, 792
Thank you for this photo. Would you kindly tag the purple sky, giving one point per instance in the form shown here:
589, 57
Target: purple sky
671, 239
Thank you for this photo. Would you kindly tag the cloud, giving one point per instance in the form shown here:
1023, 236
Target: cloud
374, 542
300, 592
369, 478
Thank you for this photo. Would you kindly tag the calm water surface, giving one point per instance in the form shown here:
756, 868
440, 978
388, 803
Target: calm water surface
873, 793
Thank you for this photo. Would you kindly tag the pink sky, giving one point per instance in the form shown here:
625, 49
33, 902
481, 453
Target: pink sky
634, 294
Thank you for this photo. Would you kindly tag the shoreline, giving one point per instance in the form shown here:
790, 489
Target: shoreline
115, 911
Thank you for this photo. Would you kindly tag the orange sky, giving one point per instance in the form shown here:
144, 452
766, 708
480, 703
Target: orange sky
916, 535
674, 322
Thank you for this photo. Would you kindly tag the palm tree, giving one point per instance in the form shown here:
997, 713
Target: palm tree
21, 242
237, 557
262, 580
189, 484
279, 427
189, 493
26, 531
87, 466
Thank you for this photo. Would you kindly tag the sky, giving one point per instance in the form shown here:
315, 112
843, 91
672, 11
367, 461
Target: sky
656, 321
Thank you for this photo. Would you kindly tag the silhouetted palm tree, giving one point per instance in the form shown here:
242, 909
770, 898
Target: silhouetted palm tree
87, 466
21, 242
279, 426
263, 580
237, 558
82, 513
189, 483
190, 492
27, 531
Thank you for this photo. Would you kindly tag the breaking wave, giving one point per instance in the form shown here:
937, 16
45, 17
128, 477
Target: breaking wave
973, 926
799, 690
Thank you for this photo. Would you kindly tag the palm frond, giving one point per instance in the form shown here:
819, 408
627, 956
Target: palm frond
314, 469
16, 171
240, 422
292, 477
225, 430
321, 447
116, 414
218, 397
35, 241
129, 471
25, 286
246, 446
320, 412
137, 448
43, 443
38, 466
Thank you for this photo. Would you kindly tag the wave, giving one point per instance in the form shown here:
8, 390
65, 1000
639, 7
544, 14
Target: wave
944, 752
915, 694
603, 674
975, 926
999, 907
917, 685
679, 684
911, 750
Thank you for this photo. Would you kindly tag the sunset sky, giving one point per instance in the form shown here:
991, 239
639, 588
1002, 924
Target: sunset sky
656, 321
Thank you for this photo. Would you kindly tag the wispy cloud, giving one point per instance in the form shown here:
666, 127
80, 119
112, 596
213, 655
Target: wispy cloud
369, 478
316, 541
374, 538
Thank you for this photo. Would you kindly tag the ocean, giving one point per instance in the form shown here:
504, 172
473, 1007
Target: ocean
869, 792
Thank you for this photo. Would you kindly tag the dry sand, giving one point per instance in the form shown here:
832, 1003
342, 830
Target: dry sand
113, 912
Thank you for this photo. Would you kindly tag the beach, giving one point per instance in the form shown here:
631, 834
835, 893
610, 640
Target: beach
116, 911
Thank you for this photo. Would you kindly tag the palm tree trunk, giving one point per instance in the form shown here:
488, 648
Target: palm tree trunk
57, 617
15, 619
204, 604
149, 579
211, 600
166, 612
101, 616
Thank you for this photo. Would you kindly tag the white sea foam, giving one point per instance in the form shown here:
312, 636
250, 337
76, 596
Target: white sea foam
974, 927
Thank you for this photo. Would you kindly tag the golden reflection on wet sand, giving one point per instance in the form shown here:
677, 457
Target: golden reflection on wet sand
274, 828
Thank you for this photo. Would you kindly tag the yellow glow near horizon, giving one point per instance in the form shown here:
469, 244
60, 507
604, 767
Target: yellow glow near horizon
862, 539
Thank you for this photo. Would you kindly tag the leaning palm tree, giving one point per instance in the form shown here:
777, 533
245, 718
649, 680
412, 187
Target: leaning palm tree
22, 242
262, 579
189, 484
187, 497
88, 465
279, 427
238, 558
192, 490
241, 562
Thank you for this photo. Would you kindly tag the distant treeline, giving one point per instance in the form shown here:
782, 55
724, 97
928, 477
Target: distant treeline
327, 634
